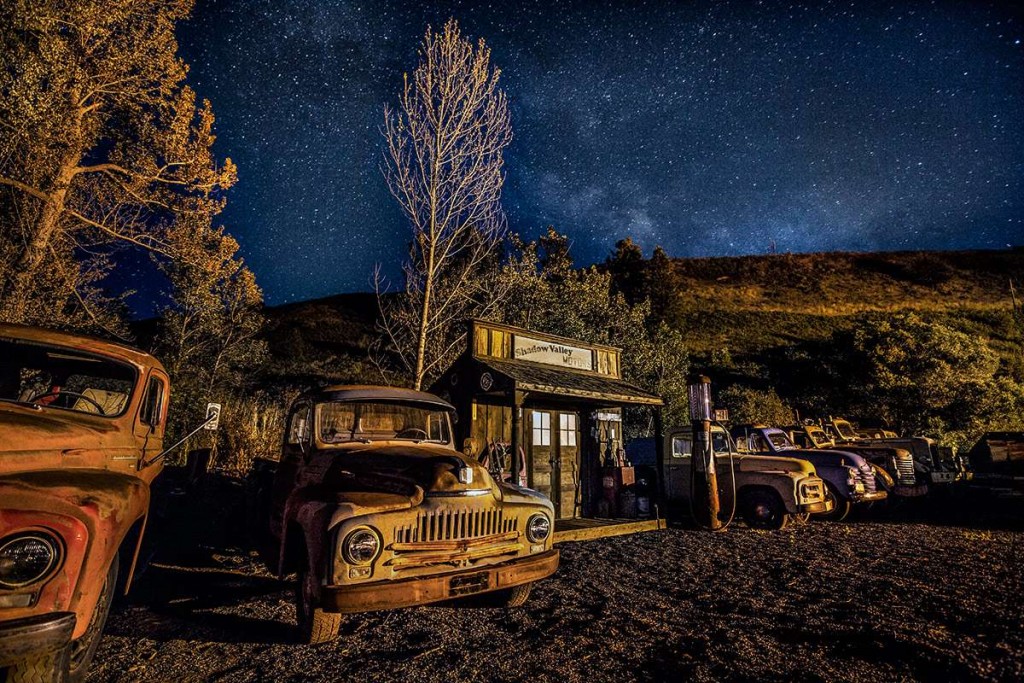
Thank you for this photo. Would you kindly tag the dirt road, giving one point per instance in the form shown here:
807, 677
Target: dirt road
891, 600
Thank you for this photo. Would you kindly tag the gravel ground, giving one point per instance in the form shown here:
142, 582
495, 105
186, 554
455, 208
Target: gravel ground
900, 599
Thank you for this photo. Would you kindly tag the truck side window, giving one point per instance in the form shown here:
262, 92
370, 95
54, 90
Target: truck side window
153, 403
680, 447
298, 425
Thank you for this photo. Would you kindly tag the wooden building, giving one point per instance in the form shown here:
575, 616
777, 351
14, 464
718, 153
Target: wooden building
544, 410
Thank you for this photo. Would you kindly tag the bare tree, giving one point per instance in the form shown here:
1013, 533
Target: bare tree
443, 165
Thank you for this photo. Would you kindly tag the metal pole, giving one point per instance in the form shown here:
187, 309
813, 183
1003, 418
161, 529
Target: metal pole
704, 476
163, 453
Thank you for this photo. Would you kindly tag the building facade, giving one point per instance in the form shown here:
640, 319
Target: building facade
543, 411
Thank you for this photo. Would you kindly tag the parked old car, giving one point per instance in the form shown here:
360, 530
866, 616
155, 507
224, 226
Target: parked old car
849, 478
894, 467
934, 464
770, 491
373, 508
81, 431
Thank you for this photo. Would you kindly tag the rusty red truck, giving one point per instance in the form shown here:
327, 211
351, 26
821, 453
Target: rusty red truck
81, 437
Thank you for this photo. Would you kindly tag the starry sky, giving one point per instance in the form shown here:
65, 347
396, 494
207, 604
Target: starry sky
707, 127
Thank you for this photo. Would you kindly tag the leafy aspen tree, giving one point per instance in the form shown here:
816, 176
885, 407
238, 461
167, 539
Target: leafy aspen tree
210, 335
101, 144
443, 164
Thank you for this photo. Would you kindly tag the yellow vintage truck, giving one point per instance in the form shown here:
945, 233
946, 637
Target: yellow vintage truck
373, 508
770, 491
81, 430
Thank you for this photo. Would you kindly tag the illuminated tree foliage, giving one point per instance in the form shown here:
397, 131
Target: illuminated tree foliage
443, 164
101, 145
547, 293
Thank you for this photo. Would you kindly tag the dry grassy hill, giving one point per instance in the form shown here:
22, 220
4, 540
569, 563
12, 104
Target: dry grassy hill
747, 304
745, 307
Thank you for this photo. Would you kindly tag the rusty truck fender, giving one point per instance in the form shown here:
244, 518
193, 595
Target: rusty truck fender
92, 512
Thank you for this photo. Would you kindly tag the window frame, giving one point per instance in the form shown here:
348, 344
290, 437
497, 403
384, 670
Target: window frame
566, 432
540, 430
307, 430
161, 390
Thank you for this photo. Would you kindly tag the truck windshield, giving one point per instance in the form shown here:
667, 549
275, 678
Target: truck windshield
818, 437
365, 421
845, 429
64, 378
780, 441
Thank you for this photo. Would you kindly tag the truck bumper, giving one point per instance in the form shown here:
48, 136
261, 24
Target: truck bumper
871, 497
910, 491
41, 642
817, 508
420, 590
945, 477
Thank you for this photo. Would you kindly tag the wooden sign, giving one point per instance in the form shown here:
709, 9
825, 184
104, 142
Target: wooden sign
552, 353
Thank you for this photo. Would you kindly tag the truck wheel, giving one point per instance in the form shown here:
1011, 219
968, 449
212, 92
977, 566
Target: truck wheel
763, 510
84, 648
315, 625
43, 669
842, 505
516, 596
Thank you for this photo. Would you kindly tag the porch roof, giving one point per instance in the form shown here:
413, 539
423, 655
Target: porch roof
533, 377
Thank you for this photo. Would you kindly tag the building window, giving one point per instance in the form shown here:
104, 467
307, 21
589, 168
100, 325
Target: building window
567, 429
541, 428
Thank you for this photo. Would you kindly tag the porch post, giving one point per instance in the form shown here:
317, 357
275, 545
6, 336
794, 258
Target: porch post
659, 454
517, 437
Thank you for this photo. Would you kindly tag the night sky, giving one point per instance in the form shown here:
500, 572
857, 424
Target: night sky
710, 128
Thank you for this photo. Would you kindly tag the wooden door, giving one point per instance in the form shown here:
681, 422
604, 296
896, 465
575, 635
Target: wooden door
568, 466
542, 450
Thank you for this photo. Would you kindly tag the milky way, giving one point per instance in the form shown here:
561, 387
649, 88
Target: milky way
710, 128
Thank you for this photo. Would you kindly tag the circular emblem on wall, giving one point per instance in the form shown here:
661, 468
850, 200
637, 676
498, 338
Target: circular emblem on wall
486, 381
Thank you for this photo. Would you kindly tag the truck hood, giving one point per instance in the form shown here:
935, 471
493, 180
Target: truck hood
830, 457
767, 463
402, 468
25, 429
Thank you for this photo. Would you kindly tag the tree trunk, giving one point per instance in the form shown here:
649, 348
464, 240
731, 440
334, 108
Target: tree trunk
23, 272
421, 343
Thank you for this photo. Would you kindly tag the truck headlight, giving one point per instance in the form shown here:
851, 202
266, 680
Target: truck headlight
361, 546
538, 528
27, 558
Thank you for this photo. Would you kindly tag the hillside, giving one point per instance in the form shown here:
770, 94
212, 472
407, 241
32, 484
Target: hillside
748, 304
737, 313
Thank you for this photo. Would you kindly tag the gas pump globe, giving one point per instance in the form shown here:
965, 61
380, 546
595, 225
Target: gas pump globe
700, 398
704, 479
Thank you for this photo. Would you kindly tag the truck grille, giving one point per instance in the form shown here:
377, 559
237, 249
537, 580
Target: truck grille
455, 525
905, 469
868, 478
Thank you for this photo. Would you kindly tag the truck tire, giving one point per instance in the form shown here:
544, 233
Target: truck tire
83, 649
516, 596
47, 668
842, 505
315, 625
763, 509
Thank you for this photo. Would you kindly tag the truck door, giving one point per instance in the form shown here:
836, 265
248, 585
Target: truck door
677, 468
297, 443
149, 428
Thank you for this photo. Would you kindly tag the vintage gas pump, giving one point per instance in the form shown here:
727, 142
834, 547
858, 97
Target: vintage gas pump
704, 478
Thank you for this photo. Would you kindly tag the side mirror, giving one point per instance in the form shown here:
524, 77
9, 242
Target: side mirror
212, 417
